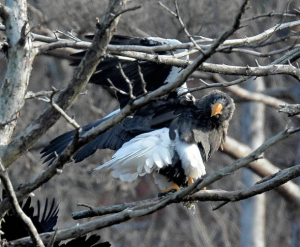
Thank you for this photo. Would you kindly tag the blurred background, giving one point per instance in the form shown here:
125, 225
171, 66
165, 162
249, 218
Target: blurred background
175, 225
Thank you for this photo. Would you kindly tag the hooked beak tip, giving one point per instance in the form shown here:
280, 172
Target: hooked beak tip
216, 109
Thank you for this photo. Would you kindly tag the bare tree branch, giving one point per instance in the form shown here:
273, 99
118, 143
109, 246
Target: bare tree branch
80, 79
228, 44
277, 179
291, 110
138, 211
51, 171
62, 112
31, 95
264, 168
16, 79
270, 15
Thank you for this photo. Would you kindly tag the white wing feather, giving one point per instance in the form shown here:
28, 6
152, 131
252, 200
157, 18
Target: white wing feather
153, 151
141, 155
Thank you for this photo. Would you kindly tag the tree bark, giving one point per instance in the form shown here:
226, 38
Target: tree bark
20, 56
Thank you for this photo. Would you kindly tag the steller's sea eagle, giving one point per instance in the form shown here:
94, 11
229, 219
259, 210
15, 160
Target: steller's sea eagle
170, 137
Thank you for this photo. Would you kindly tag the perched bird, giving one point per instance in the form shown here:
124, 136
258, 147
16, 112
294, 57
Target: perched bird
175, 142
171, 138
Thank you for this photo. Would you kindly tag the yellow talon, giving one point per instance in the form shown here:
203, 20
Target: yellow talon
173, 187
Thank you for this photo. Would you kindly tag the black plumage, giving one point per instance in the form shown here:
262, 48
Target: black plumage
44, 221
196, 128
154, 74
158, 114
199, 126
192, 121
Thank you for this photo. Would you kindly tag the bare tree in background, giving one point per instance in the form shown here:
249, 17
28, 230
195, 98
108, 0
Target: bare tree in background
253, 209
236, 42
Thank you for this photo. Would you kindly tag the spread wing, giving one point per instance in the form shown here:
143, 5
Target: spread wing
145, 120
48, 218
142, 155
154, 74
158, 114
42, 224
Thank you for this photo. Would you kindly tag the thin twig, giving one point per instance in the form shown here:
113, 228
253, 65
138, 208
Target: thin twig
112, 86
62, 112
53, 238
31, 95
144, 84
178, 17
270, 15
132, 97
69, 35
34, 236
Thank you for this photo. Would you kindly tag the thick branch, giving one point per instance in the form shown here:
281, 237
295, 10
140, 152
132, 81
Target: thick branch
271, 69
20, 58
138, 211
263, 167
278, 179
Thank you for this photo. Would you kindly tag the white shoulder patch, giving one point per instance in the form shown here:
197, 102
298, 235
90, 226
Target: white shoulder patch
141, 155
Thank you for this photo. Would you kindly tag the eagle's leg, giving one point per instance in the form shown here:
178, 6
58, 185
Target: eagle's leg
191, 181
173, 187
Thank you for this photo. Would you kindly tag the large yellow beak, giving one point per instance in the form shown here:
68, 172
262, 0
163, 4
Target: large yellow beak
216, 109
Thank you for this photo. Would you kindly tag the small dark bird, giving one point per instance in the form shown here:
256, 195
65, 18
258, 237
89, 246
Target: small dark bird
171, 138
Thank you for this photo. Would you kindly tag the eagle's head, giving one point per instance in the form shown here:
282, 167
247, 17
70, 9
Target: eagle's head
216, 107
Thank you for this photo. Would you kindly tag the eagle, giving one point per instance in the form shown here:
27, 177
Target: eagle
171, 137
